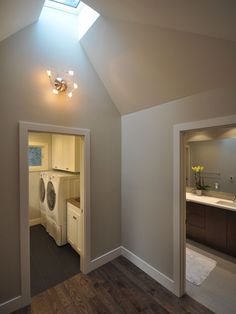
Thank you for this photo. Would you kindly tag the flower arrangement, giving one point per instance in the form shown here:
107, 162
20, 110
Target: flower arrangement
199, 180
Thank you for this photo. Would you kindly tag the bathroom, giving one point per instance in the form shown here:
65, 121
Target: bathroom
210, 160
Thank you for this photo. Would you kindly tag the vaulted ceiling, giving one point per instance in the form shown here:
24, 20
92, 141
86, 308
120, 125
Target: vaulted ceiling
215, 18
17, 14
150, 52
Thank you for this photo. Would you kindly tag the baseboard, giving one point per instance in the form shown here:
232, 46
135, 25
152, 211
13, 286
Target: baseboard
34, 222
148, 269
11, 305
105, 258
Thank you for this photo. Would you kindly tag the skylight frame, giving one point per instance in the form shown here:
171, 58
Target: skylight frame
65, 8
67, 5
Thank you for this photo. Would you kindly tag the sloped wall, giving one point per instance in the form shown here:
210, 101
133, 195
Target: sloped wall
25, 94
143, 65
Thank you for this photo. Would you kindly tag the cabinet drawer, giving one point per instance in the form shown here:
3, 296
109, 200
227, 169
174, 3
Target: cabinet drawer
231, 233
195, 233
195, 215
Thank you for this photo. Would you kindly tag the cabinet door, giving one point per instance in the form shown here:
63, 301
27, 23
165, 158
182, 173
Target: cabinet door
195, 221
231, 232
72, 227
216, 228
57, 150
68, 153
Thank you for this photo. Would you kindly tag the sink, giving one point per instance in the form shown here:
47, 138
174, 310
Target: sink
227, 203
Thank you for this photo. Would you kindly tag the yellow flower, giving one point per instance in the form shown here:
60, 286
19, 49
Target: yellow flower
197, 169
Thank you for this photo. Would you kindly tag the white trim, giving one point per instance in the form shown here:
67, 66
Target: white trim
11, 305
34, 222
24, 129
148, 269
179, 193
105, 258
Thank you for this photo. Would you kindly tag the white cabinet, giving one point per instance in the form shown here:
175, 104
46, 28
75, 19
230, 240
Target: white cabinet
66, 152
75, 227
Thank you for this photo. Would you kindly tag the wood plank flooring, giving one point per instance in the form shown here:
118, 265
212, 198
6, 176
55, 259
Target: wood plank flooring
117, 287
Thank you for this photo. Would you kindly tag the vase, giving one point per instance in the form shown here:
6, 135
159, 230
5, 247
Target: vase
199, 192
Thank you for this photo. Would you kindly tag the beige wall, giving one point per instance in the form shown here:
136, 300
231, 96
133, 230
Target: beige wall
147, 172
25, 94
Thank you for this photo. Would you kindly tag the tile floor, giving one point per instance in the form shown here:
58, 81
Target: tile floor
218, 291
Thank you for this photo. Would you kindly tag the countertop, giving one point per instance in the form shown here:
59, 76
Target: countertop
208, 200
74, 201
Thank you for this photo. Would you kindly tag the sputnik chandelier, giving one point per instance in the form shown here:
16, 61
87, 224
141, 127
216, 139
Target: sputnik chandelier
62, 83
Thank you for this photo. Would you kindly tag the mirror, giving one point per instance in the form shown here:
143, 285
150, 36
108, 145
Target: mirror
218, 157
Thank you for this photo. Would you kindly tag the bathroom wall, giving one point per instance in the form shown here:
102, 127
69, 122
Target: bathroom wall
26, 95
219, 159
34, 176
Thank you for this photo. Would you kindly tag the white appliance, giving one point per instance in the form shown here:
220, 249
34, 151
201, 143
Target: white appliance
60, 187
42, 196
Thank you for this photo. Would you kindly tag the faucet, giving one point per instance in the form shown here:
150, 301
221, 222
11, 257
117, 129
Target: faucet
234, 199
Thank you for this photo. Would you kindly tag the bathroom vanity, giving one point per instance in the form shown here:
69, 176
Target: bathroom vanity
211, 221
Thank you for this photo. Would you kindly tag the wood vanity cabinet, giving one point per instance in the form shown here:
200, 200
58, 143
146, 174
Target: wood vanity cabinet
216, 227
231, 233
212, 226
195, 222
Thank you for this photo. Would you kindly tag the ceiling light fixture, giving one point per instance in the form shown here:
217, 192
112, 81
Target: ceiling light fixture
62, 83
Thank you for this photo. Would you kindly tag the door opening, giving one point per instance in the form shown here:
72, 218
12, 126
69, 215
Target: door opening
180, 160
55, 212
54, 205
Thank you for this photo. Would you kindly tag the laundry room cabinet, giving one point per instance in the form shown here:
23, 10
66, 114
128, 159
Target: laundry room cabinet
75, 225
66, 152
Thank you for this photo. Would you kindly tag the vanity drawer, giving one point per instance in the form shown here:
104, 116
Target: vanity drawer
195, 215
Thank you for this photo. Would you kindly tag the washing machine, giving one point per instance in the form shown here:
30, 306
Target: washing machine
42, 197
60, 187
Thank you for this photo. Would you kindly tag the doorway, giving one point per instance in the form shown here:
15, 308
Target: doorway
180, 160
53, 232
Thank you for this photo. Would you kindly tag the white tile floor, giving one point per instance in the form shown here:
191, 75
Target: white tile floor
218, 291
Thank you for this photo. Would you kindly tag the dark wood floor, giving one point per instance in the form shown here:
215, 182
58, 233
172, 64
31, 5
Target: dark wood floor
117, 287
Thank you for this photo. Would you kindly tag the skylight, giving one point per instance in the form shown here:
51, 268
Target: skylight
86, 15
69, 3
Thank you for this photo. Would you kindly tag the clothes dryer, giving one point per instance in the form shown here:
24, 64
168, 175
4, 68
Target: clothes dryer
42, 197
60, 187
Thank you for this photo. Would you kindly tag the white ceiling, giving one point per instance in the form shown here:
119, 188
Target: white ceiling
17, 14
215, 18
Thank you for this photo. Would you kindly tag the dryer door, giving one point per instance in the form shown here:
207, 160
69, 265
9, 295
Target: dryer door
51, 196
42, 191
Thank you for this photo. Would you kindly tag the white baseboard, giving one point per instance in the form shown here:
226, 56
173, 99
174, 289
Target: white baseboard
148, 269
105, 258
11, 305
34, 222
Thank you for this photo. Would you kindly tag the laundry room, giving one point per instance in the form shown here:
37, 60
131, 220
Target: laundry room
55, 211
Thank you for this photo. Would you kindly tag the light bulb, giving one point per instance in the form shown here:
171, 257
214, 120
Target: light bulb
75, 86
49, 73
70, 94
71, 72
55, 91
